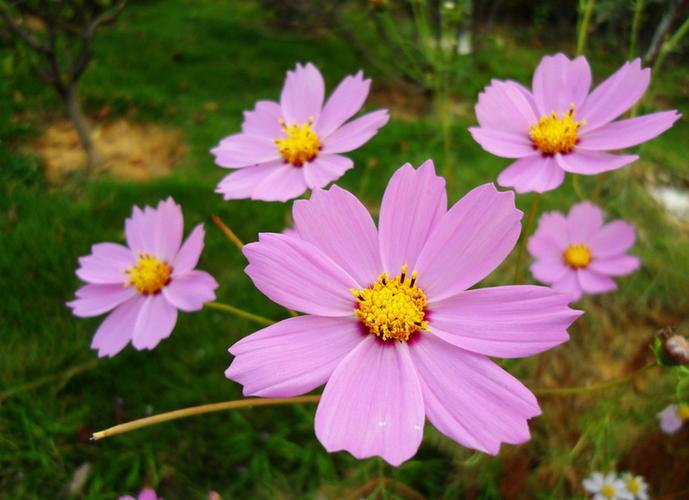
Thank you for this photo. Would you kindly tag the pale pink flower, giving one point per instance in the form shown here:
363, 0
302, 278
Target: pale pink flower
672, 418
145, 283
390, 324
145, 494
577, 254
560, 127
288, 147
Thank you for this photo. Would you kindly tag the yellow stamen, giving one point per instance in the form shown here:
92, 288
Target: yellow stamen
683, 411
149, 275
577, 256
556, 133
300, 146
608, 491
392, 308
633, 485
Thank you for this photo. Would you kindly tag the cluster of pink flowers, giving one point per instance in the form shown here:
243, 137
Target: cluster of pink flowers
391, 323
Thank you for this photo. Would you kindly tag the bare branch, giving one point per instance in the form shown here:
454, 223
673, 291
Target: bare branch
24, 35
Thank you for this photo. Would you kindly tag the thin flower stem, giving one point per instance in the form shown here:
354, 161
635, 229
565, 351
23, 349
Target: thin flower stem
199, 410
568, 391
62, 377
239, 312
228, 232
586, 7
577, 187
525, 236
636, 24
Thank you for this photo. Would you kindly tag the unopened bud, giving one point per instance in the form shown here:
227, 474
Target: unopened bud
677, 349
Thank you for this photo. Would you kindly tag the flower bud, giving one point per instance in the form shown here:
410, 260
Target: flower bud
677, 349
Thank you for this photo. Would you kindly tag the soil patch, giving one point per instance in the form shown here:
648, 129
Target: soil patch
129, 151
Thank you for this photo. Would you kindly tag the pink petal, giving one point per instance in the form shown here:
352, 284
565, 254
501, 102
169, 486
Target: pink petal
670, 422
413, 204
302, 95
242, 183
245, 150
584, 221
551, 238
147, 494
298, 275
156, 321
188, 255
559, 82
325, 169
469, 242
264, 120
535, 173
337, 223
615, 95
593, 282
169, 230
626, 133
293, 356
140, 230
107, 264
469, 398
616, 266
93, 300
190, 291
614, 239
506, 321
550, 271
115, 332
285, 183
372, 404
504, 144
355, 133
345, 102
568, 283
582, 161
504, 106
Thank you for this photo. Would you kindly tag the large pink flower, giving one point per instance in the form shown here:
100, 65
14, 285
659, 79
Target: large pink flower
560, 127
285, 148
146, 283
577, 254
390, 324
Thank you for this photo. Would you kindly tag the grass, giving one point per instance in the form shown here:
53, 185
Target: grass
163, 62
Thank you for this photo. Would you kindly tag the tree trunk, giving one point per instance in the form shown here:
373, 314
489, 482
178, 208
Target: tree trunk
76, 116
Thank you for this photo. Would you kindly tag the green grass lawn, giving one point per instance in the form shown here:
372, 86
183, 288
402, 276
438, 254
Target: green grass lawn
161, 63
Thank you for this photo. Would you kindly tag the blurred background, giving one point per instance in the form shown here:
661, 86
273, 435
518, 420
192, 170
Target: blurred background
123, 110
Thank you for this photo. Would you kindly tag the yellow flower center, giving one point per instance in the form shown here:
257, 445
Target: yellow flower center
683, 411
392, 308
556, 133
633, 485
577, 256
149, 274
301, 144
608, 491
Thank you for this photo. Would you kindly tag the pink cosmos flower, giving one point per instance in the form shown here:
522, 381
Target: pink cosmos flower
559, 127
390, 324
145, 494
577, 254
285, 148
143, 285
672, 418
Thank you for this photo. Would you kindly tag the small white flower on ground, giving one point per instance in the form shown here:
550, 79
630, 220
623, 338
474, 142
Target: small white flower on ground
606, 487
636, 485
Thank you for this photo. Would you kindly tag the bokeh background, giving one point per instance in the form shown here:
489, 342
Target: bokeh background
170, 78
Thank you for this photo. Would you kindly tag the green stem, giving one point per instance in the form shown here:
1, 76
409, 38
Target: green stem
568, 391
636, 23
669, 46
586, 10
577, 187
525, 236
239, 312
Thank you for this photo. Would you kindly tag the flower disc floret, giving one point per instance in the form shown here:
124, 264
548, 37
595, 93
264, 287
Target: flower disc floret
577, 256
392, 309
149, 275
301, 145
556, 133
